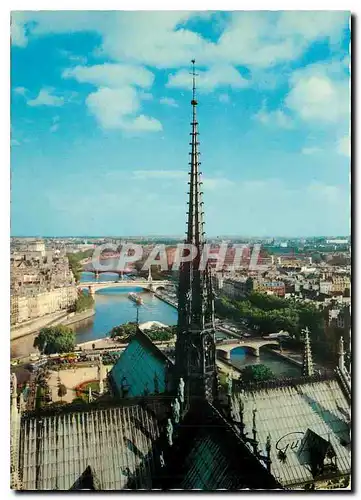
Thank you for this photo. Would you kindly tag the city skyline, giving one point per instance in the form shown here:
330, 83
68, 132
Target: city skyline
99, 132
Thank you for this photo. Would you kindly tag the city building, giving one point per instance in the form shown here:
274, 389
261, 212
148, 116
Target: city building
237, 288
40, 285
275, 287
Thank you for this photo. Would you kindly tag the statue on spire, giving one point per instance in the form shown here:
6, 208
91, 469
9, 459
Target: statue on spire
307, 364
341, 355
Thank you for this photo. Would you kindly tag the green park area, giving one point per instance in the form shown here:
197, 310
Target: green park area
267, 314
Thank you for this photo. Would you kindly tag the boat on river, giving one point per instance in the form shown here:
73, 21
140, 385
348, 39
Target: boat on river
135, 298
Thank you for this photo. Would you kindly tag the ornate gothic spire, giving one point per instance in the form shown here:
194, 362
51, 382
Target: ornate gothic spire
307, 365
195, 348
341, 355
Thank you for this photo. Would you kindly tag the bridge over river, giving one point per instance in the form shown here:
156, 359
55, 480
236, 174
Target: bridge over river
225, 347
94, 286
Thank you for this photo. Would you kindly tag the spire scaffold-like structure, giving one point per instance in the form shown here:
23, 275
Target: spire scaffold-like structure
307, 364
195, 347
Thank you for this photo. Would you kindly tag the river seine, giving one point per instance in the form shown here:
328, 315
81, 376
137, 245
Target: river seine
113, 307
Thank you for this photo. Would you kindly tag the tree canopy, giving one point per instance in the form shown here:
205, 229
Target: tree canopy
83, 302
128, 330
55, 339
124, 332
256, 373
62, 391
271, 314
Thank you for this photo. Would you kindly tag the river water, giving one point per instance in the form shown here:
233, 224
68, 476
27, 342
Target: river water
113, 307
240, 357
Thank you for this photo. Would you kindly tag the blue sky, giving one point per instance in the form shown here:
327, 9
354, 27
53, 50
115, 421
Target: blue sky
100, 122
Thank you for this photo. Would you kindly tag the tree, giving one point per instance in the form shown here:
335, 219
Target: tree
62, 391
161, 334
256, 373
124, 332
83, 302
75, 266
55, 339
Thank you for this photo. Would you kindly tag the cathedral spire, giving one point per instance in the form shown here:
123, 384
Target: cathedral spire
195, 348
307, 365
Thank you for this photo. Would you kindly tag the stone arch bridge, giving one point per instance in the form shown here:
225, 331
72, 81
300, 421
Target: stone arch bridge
93, 286
225, 347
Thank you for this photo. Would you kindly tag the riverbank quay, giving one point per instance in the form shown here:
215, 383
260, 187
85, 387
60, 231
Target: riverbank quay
59, 318
107, 343
166, 299
296, 359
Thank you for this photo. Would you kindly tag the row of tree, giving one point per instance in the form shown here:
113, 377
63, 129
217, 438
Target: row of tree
124, 333
75, 262
83, 302
271, 314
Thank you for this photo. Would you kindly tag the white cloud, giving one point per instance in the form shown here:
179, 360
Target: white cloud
168, 101
111, 75
73, 57
18, 34
326, 193
20, 90
310, 150
14, 142
159, 174
217, 183
315, 95
273, 118
115, 109
46, 98
216, 76
344, 146
313, 25
142, 123
160, 39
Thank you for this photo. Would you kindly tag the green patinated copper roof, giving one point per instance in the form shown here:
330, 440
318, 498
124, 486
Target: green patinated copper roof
142, 367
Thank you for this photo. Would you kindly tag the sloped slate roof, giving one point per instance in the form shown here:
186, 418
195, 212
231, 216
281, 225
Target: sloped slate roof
208, 455
116, 443
286, 413
143, 366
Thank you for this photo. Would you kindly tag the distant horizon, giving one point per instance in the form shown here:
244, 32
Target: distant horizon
164, 236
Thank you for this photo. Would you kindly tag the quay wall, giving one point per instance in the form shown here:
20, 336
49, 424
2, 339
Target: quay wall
58, 318
165, 299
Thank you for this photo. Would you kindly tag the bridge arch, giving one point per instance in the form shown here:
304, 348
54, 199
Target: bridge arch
225, 348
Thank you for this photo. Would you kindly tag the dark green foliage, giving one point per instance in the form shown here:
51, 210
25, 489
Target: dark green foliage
125, 332
256, 373
75, 266
55, 339
272, 314
83, 302
74, 262
161, 334
62, 390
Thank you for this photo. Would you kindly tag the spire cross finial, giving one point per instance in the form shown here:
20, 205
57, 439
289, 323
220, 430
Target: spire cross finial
194, 74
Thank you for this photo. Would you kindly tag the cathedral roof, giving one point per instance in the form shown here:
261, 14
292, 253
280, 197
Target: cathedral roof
142, 367
295, 415
107, 447
209, 455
